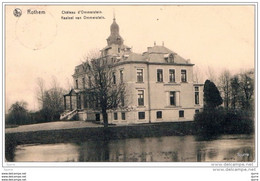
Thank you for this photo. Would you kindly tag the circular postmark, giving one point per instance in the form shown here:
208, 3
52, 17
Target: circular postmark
36, 30
17, 12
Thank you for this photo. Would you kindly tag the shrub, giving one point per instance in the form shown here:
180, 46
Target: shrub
212, 122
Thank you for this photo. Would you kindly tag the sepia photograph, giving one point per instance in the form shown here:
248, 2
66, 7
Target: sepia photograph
164, 83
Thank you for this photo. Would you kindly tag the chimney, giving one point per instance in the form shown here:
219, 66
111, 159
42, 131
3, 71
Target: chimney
163, 43
154, 43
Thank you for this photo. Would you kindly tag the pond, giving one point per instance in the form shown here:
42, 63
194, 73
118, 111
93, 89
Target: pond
237, 148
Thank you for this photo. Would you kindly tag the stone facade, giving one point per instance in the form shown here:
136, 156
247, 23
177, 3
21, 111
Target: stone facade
159, 84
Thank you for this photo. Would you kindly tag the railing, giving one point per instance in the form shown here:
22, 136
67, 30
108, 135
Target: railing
68, 115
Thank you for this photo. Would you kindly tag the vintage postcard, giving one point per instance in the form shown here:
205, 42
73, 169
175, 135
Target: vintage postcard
162, 84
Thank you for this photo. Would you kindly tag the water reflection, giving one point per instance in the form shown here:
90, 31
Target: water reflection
238, 148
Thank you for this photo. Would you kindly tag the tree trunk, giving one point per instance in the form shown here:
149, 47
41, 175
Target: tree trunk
105, 118
106, 130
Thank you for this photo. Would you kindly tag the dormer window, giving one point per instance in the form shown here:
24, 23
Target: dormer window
171, 58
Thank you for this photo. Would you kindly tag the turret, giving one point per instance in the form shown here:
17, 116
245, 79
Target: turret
114, 37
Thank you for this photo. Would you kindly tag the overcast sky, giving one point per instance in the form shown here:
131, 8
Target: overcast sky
45, 45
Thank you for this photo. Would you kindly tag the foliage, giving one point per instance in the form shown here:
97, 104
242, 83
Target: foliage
237, 90
17, 114
237, 116
209, 121
220, 121
53, 104
212, 97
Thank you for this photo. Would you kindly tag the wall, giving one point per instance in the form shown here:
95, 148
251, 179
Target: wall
159, 94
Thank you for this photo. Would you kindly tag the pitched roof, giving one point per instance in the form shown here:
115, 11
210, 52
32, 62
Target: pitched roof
159, 49
160, 53
136, 57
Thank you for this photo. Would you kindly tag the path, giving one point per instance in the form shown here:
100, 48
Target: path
53, 126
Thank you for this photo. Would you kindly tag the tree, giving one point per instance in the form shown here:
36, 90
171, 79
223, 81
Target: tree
108, 93
40, 91
197, 75
18, 113
51, 100
235, 92
225, 87
247, 88
212, 97
211, 74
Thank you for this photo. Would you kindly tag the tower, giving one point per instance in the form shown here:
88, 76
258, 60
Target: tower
114, 37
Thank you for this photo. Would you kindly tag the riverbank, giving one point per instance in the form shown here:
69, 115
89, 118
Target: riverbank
78, 130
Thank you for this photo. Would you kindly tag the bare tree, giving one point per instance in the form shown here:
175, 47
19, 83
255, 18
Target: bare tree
108, 92
235, 92
247, 87
69, 84
40, 89
211, 74
197, 75
50, 100
225, 87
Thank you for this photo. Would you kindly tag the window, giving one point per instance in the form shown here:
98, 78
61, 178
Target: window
172, 75
97, 117
172, 98
113, 59
197, 111
183, 76
91, 100
140, 77
85, 100
114, 78
77, 84
123, 115
121, 76
159, 114
181, 114
79, 101
83, 82
197, 95
115, 116
140, 97
122, 99
159, 75
96, 103
141, 115
89, 82
171, 58
118, 50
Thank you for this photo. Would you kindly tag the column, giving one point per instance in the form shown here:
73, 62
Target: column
70, 104
64, 102
77, 102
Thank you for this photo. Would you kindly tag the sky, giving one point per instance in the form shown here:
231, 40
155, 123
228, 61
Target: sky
46, 46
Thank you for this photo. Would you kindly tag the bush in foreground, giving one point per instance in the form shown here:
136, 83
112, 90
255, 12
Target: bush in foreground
219, 121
